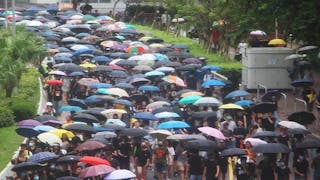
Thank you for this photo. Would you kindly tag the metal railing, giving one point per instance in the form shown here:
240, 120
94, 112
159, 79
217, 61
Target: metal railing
297, 100
258, 90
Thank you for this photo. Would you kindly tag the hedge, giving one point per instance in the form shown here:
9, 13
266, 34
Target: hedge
6, 117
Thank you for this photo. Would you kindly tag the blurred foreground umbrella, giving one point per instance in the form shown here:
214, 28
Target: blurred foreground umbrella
307, 48
49, 138
26, 166
291, 125
302, 117
134, 132
271, 148
89, 146
202, 145
120, 174
309, 142
233, 152
96, 170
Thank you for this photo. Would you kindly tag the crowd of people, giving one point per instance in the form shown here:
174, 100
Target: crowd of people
119, 99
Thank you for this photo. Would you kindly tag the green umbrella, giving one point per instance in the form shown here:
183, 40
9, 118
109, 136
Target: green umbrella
130, 26
89, 18
189, 99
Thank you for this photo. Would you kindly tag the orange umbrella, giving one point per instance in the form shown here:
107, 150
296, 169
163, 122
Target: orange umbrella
174, 80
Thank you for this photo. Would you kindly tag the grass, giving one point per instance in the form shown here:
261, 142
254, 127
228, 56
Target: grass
9, 143
195, 48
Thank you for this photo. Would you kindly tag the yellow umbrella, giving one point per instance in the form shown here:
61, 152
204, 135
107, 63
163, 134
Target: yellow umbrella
110, 112
60, 132
88, 65
192, 93
230, 106
276, 42
145, 38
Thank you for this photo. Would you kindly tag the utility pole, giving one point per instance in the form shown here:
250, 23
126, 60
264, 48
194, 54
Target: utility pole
6, 8
14, 17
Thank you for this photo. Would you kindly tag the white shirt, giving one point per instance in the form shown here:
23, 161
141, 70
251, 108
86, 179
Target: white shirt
242, 47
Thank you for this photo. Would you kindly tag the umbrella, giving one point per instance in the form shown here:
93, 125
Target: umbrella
49, 138
189, 99
139, 98
211, 67
96, 170
302, 83
124, 86
191, 61
167, 115
294, 57
68, 159
70, 109
233, 152
207, 101
116, 122
157, 104
244, 102
271, 96
57, 72
309, 142
123, 102
257, 33
160, 133
45, 118
202, 145
118, 92
212, 132
87, 81
145, 115
70, 67
186, 137
100, 85
43, 128
174, 80
26, 166
173, 125
105, 135
134, 132
165, 69
205, 114
29, 123
271, 148
61, 132
188, 67
298, 131
77, 102
89, 146
74, 74
68, 178
27, 132
154, 73
291, 125
142, 68
102, 68
212, 82
87, 118
110, 112
264, 134
53, 123
94, 160
236, 93
54, 82
149, 88
182, 55
230, 106
42, 157
255, 141
191, 93
307, 48
79, 128
264, 107
302, 117
276, 42
139, 81
120, 174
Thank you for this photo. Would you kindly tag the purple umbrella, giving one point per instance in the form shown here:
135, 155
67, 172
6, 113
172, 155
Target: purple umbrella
29, 123
118, 48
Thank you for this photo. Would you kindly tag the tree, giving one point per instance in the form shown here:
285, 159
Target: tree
16, 51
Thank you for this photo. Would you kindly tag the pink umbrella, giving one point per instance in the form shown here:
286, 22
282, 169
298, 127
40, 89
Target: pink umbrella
57, 72
255, 141
212, 132
96, 170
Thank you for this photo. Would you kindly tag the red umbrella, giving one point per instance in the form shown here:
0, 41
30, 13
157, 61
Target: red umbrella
96, 170
90, 145
55, 82
94, 160
116, 67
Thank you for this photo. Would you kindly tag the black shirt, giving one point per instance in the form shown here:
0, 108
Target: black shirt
142, 157
196, 166
211, 171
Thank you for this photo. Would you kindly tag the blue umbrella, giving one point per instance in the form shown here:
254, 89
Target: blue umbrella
27, 132
82, 51
161, 57
145, 115
180, 46
173, 125
102, 129
100, 85
211, 67
82, 35
76, 73
77, 102
100, 59
130, 78
63, 59
236, 93
149, 88
124, 86
70, 109
44, 128
42, 157
167, 115
123, 102
154, 73
120, 37
212, 82
92, 100
118, 74
63, 49
244, 102
102, 91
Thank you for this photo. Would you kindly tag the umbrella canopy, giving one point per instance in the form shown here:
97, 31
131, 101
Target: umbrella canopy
307, 48
157, 104
264, 107
265, 134
116, 122
202, 145
29, 123
254, 141
83, 117
77, 102
212, 82
207, 101
192, 93
27, 132
89, 146
120, 174
45, 118
186, 137
25, 166
100, 85
302, 117
204, 114
68, 159
42, 157
87, 81
167, 115
291, 125
298, 131
244, 103
309, 142
124, 86
57, 72
189, 99
61, 132
160, 133
134, 132
212, 132
173, 125
94, 160
123, 102
96, 170
302, 83
275, 42
237, 93
174, 80
294, 57
110, 112
211, 67
118, 92
149, 88
145, 115
54, 82
49, 138
271, 148
44, 128
106, 134
70, 109
233, 152
231, 106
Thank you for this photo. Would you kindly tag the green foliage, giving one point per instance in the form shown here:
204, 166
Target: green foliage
6, 117
23, 109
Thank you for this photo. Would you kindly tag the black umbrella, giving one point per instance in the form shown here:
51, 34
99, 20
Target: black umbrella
204, 114
302, 83
271, 96
26, 166
102, 68
113, 127
80, 128
134, 132
155, 40
298, 131
233, 152
95, 113
307, 48
45, 118
264, 134
70, 67
77, 102
164, 50
27, 132
139, 81
87, 118
202, 145
264, 107
139, 98
126, 63
302, 117
163, 109
160, 98
188, 67
99, 139
68, 178
118, 74
309, 142
161, 63
179, 93
182, 55
271, 148
68, 159
42, 157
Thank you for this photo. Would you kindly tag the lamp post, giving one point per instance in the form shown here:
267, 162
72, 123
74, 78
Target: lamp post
14, 17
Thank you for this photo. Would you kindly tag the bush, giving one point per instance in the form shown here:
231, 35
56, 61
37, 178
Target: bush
6, 117
22, 109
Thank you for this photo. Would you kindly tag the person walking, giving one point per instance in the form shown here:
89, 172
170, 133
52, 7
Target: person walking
159, 160
196, 165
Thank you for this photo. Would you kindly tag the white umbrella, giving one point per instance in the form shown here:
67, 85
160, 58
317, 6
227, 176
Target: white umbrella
49, 138
292, 125
160, 133
255, 141
207, 101
157, 104
120, 174
116, 122
118, 92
